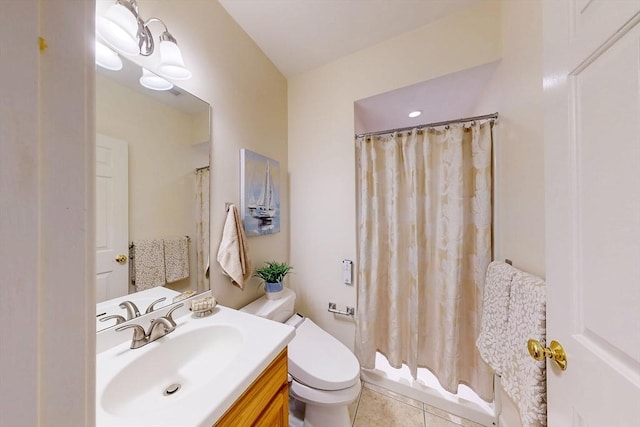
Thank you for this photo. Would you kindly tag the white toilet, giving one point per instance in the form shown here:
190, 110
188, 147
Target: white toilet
325, 374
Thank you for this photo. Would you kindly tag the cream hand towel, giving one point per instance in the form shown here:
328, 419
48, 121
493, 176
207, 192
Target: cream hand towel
492, 340
148, 264
233, 253
176, 258
524, 379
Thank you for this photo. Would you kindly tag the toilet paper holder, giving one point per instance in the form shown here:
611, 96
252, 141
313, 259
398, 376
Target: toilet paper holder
350, 311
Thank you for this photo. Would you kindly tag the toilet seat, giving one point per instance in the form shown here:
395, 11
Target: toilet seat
307, 394
320, 361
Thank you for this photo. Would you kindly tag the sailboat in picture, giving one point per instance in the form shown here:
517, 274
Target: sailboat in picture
264, 209
260, 198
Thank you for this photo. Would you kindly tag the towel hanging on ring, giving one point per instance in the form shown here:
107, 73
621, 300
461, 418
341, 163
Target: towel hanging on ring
233, 252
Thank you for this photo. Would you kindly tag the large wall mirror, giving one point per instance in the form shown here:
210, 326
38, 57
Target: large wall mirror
152, 192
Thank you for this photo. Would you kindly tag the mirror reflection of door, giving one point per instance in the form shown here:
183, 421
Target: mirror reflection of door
112, 219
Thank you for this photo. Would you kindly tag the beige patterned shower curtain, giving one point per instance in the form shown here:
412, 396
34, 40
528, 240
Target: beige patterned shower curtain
424, 244
202, 227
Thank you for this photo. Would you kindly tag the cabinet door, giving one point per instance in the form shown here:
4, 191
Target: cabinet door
276, 414
261, 397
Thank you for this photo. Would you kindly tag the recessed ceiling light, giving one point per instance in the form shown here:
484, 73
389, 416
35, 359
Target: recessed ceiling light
414, 114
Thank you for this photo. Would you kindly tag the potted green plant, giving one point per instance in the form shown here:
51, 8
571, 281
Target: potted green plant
273, 274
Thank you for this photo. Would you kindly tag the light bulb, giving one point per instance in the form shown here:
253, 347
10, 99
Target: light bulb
153, 81
119, 28
106, 58
171, 62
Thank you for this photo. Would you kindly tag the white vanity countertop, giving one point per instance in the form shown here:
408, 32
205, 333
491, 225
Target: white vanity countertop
206, 394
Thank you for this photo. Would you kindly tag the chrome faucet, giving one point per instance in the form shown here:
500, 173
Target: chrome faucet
151, 306
119, 319
132, 309
159, 327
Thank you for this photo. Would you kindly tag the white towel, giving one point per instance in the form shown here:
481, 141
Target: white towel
233, 252
492, 340
148, 264
176, 258
524, 379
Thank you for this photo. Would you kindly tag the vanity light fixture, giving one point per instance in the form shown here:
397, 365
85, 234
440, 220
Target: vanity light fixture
153, 81
122, 28
415, 114
106, 58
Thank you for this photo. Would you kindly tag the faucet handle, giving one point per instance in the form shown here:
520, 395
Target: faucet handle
119, 319
151, 306
132, 309
139, 336
169, 317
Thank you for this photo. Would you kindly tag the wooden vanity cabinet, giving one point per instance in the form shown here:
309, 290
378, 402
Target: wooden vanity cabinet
265, 403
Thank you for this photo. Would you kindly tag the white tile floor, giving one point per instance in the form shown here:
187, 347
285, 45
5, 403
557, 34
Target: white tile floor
379, 407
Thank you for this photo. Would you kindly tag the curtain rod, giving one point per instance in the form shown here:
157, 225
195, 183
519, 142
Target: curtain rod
430, 125
202, 168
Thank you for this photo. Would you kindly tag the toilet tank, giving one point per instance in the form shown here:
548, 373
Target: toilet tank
279, 310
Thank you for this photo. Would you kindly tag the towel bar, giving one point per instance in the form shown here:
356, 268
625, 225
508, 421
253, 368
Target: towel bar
350, 311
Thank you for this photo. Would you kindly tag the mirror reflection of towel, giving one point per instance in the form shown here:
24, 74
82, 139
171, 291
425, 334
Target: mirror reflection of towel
148, 263
233, 253
176, 258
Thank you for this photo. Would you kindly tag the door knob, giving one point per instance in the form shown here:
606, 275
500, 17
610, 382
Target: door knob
121, 259
554, 352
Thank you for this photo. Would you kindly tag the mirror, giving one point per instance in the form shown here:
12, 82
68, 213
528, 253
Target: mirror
152, 192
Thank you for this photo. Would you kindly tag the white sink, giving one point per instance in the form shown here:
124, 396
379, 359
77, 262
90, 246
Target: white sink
213, 359
182, 363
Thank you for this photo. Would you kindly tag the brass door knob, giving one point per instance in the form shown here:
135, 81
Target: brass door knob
121, 259
554, 352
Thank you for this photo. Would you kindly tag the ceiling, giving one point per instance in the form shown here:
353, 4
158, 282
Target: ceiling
449, 97
300, 35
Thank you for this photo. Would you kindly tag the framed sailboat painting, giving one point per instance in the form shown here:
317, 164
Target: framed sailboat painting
260, 193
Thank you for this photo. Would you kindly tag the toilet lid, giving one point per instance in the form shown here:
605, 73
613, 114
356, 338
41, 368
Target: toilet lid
318, 360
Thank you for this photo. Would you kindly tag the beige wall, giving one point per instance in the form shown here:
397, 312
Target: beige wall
164, 152
249, 100
47, 339
321, 145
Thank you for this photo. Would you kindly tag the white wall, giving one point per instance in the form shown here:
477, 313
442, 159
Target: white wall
516, 92
249, 99
47, 249
163, 156
321, 145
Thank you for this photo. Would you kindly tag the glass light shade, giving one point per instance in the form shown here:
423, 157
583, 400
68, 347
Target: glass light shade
106, 58
153, 81
119, 28
415, 113
171, 62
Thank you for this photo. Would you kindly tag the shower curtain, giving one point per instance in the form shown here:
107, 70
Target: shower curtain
424, 244
202, 227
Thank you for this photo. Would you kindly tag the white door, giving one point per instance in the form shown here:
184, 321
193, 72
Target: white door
112, 218
592, 168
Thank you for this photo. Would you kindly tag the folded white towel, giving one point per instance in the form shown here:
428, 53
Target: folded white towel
524, 379
148, 264
233, 253
176, 258
492, 340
